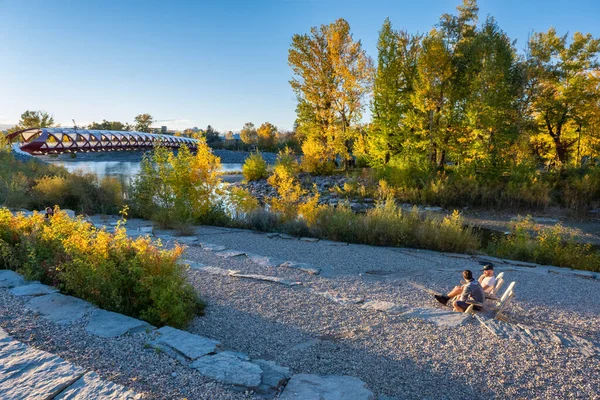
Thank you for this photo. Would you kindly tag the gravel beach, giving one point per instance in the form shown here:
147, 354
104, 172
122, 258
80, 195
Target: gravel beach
298, 327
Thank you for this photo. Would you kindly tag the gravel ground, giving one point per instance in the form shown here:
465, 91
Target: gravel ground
397, 357
125, 360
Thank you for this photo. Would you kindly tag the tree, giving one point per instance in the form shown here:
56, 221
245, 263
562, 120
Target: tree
332, 75
565, 85
393, 86
229, 136
109, 126
248, 134
35, 119
266, 135
212, 136
143, 122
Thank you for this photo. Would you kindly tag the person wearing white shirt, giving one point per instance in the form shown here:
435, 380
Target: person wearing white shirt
487, 280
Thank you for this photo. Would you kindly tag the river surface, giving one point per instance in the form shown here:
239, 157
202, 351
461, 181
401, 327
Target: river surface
125, 170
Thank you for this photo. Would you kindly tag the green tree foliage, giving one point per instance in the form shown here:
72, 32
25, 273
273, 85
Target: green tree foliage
34, 119
332, 76
565, 86
248, 134
109, 126
212, 136
143, 122
393, 88
255, 167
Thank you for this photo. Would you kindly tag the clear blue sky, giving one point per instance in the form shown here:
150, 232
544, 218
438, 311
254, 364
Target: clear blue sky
194, 63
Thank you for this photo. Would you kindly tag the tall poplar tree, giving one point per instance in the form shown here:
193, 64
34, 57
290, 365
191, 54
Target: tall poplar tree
332, 75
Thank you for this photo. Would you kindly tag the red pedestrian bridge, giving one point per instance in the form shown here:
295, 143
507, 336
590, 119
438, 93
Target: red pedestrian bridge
64, 140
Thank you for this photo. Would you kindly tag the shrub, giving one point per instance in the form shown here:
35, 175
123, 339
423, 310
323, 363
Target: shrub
174, 189
255, 167
553, 246
129, 276
315, 159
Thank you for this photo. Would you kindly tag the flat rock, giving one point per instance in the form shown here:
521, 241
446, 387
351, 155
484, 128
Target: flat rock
188, 240
212, 247
458, 255
10, 279
59, 308
316, 387
272, 235
584, 274
230, 253
521, 263
308, 239
70, 213
109, 324
216, 270
309, 269
332, 243
273, 376
286, 236
91, 387
493, 260
386, 306
440, 318
182, 345
229, 368
266, 278
264, 261
33, 289
147, 230
27, 373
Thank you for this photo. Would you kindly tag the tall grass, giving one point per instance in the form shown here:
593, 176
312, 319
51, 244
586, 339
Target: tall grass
548, 246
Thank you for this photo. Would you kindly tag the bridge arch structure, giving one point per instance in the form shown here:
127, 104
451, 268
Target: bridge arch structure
65, 140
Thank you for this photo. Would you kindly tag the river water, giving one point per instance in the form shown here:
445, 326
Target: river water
124, 170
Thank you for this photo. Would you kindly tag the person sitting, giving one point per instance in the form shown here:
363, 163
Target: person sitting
470, 290
487, 280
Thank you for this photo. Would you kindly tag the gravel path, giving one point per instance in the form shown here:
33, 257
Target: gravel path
298, 328
396, 357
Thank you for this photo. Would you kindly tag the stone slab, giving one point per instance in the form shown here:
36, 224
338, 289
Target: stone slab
332, 243
286, 236
264, 261
230, 253
33, 289
343, 300
308, 239
273, 376
493, 260
182, 345
309, 269
266, 278
109, 324
212, 247
10, 279
440, 318
27, 373
216, 270
331, 387
229, 368
59, 308
3, 334
188, 240
91, 387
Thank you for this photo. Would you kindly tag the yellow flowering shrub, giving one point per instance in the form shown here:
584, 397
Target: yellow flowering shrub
131, 276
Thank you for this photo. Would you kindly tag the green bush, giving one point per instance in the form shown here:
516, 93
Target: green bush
255, 167
550, 246
117, 273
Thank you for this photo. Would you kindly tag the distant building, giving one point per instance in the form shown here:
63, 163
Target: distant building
163, 130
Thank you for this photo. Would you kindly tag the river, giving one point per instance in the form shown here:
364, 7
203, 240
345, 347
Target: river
124, 170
